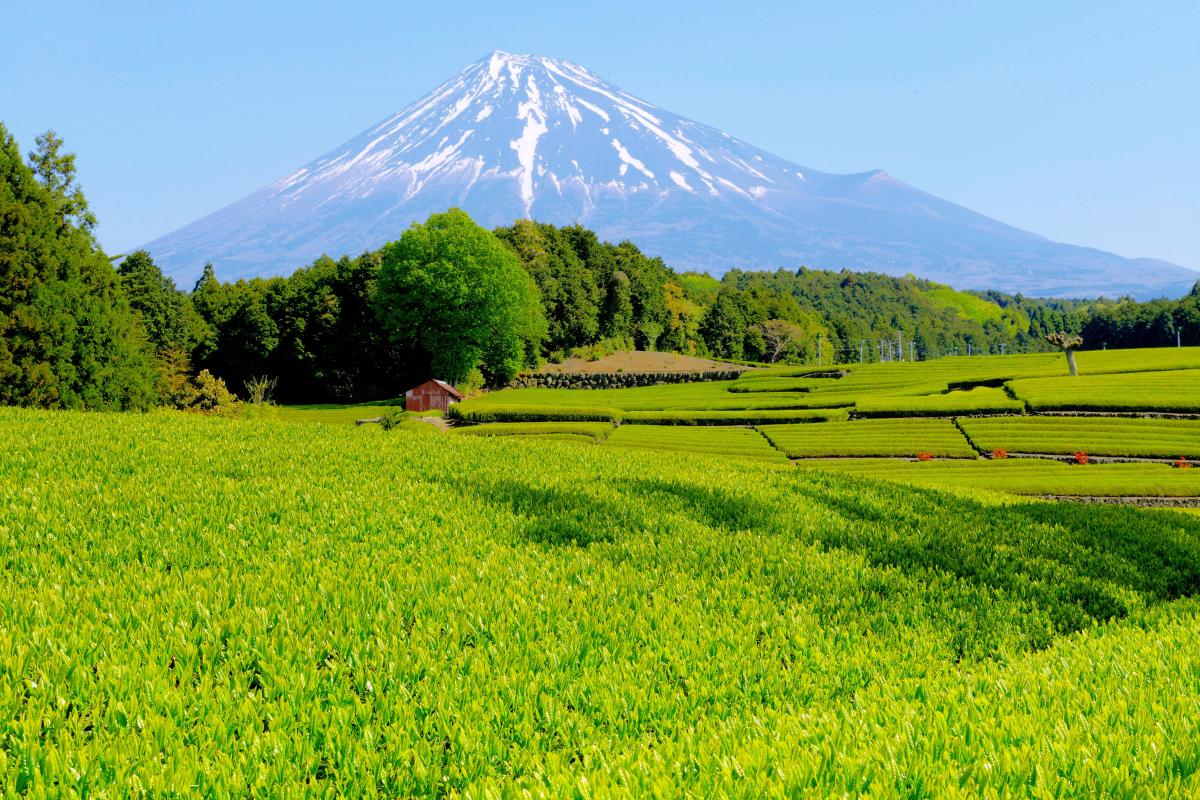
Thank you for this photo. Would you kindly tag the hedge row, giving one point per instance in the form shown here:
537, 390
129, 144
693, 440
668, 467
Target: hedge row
896, 412
746, 417
517, 413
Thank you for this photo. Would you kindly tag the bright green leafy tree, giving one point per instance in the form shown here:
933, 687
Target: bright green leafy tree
460, 297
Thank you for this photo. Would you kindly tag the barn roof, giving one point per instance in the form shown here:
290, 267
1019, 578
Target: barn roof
447, 388
454, 392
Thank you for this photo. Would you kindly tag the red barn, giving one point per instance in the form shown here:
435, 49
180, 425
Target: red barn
430, 395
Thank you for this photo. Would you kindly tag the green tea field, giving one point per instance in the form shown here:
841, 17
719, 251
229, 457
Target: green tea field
268, 608
1125, 404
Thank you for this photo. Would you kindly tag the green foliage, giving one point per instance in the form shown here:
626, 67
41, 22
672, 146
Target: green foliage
1098, 436
1127, 323
166, 313
980, 400
746, 417
1028, 476
261, 390
602, 348
727, 325
456, 294
548, 612
1177, 391
875, 437
318, 332
594, 430
704, 396
67, 336
338, 413
494, 412
593, 291
570, 293
210, 396
315, 331
733, 442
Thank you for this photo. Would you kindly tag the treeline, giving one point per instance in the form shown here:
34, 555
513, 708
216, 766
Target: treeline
68, 337
452, 300
336, 331
1157, 323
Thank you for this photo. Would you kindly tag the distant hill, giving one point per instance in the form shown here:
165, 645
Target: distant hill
516, 136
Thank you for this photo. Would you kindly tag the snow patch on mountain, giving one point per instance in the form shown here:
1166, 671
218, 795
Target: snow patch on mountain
529, 136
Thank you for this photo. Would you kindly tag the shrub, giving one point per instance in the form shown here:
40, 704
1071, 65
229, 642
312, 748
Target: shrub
999, 452
1081, 457
924, 456
259, 391
1183, 463
211, 396
392, 419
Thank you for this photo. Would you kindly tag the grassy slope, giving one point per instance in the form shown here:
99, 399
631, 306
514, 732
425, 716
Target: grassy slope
488, 616
732, 442
1101, 436
1174, 390
335, 413
882, 437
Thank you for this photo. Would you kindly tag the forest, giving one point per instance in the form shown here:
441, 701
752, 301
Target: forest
79, 329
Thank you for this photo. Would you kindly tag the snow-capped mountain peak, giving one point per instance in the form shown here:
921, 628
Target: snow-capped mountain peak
530, 136
550, 125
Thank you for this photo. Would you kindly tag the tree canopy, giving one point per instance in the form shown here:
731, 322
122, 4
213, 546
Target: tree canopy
68, 338
459, 299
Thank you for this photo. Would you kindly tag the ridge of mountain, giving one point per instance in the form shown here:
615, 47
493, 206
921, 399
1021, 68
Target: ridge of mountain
516, 136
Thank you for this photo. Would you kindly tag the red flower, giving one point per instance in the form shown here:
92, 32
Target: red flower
924, 456
999, 452
1183, 463
1081, 457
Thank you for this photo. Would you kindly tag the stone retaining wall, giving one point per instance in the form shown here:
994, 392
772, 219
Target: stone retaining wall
617, 380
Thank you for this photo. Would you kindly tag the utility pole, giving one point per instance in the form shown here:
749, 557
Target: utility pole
1178, 338
860, 351
911, 352
820, 350
899, 346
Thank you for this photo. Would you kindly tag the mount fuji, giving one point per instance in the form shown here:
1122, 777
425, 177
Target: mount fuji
515, 136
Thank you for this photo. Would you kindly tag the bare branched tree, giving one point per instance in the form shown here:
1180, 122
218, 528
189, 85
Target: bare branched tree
1068, 343
778, 335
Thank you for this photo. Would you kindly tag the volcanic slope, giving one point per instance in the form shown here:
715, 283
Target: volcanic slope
515, 136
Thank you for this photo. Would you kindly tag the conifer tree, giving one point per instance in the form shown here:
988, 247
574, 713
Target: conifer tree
68, 338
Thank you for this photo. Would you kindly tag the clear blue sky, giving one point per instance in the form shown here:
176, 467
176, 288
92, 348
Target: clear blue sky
1077, 120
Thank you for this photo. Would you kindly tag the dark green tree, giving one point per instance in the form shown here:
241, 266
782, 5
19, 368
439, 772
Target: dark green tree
68, 338
725, 325
569, 291
165, 312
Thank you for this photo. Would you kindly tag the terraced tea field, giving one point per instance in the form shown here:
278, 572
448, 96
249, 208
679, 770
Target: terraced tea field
591, 431
980, 400
263, 608
1170, 391
735, 442
1029, 476
882, 437
1099, 436
898, 410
